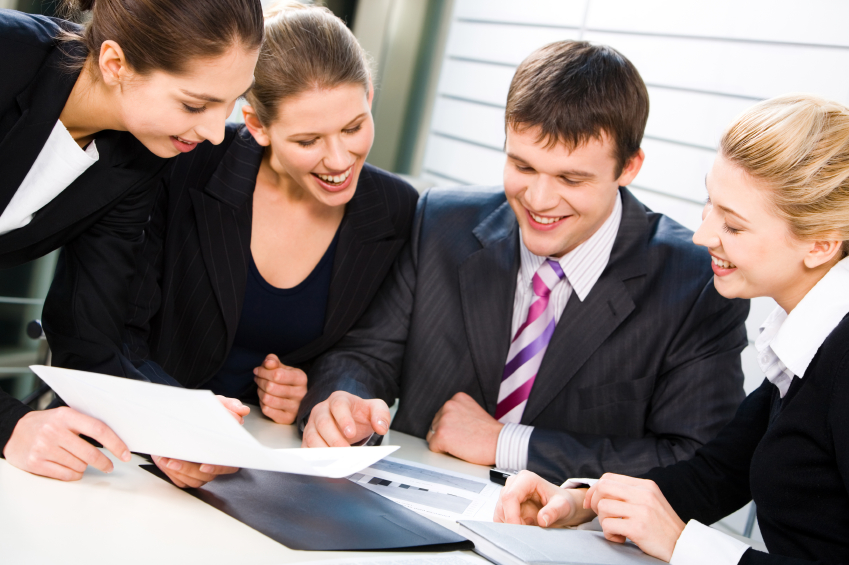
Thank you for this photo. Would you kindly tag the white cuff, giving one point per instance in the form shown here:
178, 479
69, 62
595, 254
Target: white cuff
578, 483
511, 451
703, 545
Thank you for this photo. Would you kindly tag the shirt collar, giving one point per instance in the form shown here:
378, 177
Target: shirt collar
583, 265
796, 337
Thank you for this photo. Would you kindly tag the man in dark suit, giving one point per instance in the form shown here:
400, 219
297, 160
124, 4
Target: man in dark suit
555, 324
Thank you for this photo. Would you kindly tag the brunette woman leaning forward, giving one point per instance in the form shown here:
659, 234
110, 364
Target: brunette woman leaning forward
776, 224
264, 250
88, 117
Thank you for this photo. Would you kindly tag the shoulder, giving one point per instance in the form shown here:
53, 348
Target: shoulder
27, 30
197, 166
467, 206
397, 194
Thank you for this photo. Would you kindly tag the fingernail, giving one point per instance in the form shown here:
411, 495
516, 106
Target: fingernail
125, 456
349, 431
256, 370
381, 424
174, 465
544, 520
206, 468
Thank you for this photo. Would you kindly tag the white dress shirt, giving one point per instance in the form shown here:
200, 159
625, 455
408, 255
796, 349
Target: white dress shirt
583, 267
786, 346
58, 164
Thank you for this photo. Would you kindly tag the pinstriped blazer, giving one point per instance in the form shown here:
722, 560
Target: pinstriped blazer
192, 270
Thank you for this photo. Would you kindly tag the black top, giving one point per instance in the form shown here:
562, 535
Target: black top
274, 320
187, 296
790, 455
98, 219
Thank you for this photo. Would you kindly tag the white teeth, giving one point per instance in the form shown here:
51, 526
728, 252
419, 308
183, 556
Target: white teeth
544, 220
185, 141
335, 179
723, 264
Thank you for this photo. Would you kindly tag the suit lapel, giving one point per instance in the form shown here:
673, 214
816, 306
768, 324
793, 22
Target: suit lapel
366, 237
584, 326
39, 105
223, 211
487, 290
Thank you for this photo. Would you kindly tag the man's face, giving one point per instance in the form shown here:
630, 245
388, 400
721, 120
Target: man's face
561, 197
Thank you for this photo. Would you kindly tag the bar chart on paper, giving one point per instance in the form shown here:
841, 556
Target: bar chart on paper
430, 491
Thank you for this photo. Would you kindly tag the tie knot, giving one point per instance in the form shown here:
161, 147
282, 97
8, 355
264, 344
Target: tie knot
547, 276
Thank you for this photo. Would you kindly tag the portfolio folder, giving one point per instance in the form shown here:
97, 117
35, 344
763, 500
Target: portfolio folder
321, 514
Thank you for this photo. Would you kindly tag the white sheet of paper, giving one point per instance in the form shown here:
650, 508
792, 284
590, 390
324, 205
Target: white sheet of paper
192, 425
452, 558
431, 491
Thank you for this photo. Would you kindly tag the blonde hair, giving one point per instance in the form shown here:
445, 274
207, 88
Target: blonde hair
305, 48
798, 146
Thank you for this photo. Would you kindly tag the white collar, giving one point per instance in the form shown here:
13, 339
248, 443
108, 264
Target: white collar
795, 338
583, 265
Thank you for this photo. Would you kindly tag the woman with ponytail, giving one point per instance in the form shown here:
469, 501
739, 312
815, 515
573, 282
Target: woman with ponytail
89, 116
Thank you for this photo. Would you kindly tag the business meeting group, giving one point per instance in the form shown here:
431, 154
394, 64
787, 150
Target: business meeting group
553, 326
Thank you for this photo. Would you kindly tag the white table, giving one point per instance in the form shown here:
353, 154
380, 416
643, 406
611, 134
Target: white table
130, 516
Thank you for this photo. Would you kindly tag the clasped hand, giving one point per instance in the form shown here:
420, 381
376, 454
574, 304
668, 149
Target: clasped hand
280, 389
626, 507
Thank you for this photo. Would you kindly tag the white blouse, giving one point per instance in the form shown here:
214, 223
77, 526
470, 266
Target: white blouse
58, 164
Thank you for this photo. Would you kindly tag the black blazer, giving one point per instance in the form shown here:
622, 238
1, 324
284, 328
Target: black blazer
642, 372
790, 455
99, 218
188, 294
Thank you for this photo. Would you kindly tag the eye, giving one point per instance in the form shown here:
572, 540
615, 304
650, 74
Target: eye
727, 229
193, 109
524, 169
570, 182
307, 143
354, 129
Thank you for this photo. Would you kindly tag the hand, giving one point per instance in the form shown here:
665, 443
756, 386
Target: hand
235, 407
465, 430
281, 389
635, 509
530, 500
48, 443
186, 474
344, 419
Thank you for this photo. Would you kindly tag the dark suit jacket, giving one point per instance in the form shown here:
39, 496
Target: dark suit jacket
791, 455
641, 373
188, 294
99, 218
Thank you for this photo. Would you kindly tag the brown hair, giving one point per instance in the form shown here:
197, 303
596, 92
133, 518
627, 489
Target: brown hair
798, 146
305, 48
167, 34
574, 91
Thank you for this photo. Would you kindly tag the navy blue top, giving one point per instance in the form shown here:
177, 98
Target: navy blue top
274, 320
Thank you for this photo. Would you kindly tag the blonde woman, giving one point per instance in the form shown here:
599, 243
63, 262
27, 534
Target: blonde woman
264, 250
776, 224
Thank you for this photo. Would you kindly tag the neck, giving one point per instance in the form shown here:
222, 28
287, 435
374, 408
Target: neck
791, 297
90, 107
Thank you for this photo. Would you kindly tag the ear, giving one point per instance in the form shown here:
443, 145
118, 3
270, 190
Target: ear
255, 126
632, 168
370, 92
821, 252
113, 64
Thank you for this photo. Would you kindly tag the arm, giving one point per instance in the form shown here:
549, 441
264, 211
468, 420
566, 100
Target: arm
696, 394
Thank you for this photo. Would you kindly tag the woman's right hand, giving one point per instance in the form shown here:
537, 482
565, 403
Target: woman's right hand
281, 389
48, 443
530, 500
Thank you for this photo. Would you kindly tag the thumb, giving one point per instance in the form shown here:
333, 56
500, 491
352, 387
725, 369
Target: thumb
558, 508
379, 416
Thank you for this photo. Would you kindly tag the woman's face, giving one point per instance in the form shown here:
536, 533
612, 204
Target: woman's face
170, 114
320, 141
753, 251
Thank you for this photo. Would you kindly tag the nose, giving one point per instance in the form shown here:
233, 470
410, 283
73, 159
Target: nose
708, 235
211, 126
337, 157
541, 193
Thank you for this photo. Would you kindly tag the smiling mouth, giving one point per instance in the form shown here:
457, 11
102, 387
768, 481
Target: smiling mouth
544, 220
186, 141
722, 264
335, 179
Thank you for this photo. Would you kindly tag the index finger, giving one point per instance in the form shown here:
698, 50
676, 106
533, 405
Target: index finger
97, 430
516, 491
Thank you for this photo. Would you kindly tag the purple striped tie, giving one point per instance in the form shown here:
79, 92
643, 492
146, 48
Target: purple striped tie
528, 347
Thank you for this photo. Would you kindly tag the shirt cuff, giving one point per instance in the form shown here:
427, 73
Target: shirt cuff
578, 483
703, 545
511, 453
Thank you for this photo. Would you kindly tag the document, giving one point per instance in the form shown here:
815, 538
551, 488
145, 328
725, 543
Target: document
192, 425
431, 491
453, 558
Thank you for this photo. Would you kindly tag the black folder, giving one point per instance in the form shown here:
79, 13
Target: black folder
315, 513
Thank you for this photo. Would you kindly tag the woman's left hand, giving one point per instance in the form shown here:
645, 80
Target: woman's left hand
635, 509
281, 389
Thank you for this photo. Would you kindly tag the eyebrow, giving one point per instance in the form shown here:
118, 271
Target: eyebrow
213, 99
568, 173
309, 134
